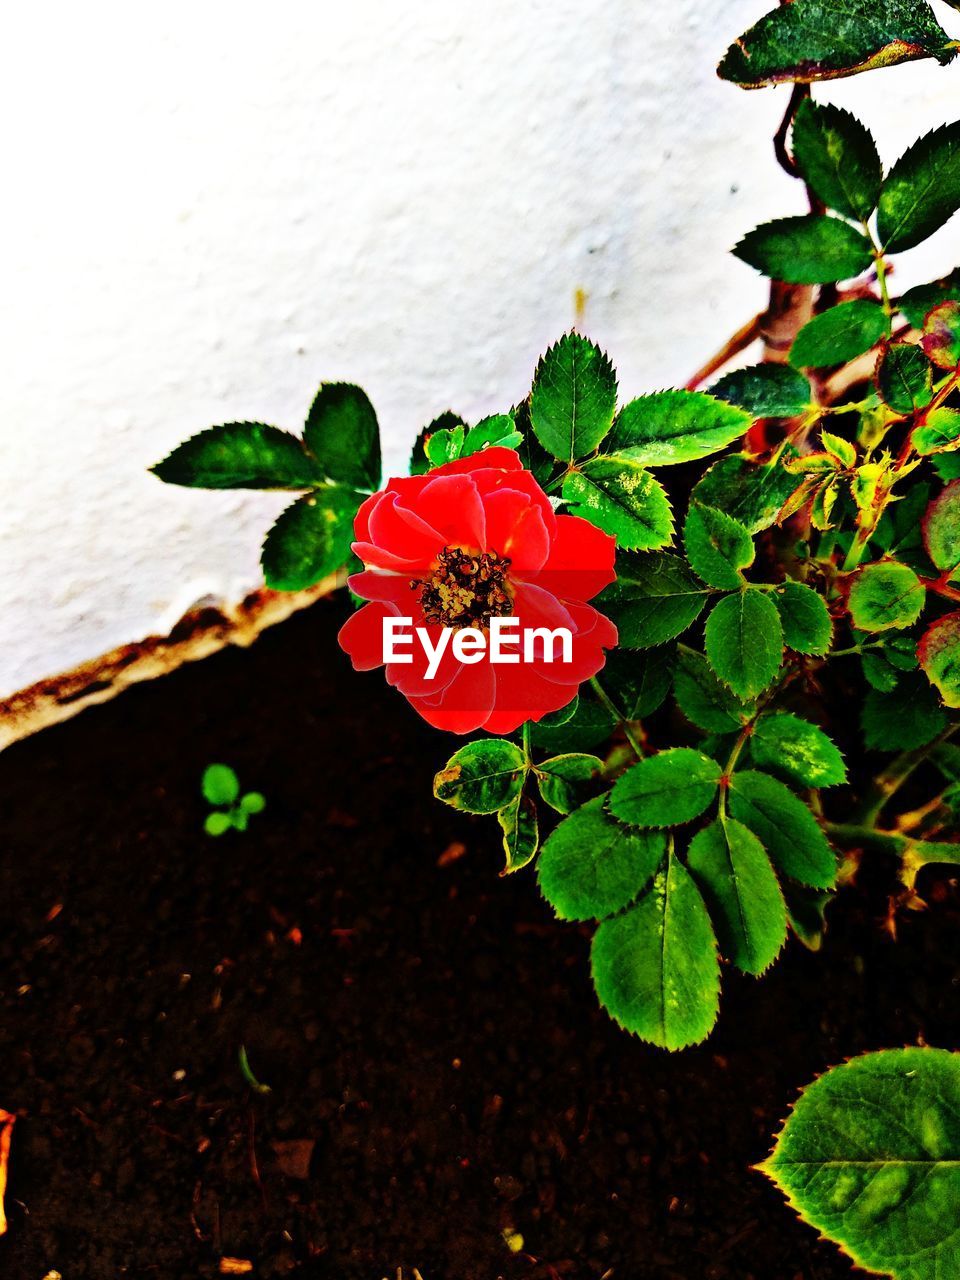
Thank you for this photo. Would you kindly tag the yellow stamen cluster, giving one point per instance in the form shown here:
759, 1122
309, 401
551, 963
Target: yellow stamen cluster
466, 589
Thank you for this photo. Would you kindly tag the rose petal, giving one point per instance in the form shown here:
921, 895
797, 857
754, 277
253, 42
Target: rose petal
452, 505
581, 560
390, 587
403, 532
466, 702
411, 677
497, 458
523, 694
361, 636
515, 529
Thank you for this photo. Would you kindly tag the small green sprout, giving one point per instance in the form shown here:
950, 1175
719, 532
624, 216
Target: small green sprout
247, 1073
221, 787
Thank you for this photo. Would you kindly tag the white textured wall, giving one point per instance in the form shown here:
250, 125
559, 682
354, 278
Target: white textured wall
209, 208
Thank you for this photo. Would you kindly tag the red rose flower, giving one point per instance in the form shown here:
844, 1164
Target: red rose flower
474, 540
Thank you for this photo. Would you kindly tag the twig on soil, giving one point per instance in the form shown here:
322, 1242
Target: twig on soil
254, 1165
7, 1121
235, 1266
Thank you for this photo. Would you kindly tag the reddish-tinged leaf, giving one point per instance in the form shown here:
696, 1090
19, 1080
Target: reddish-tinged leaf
941, 335
939, 654
810, 40
941, 528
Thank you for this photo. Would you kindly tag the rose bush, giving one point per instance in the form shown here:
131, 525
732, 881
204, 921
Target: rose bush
798, 620
477, 538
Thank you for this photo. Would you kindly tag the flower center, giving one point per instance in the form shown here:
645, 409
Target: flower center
466, 589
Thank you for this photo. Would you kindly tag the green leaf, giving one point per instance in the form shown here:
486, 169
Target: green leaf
765, 390
717, 546
917, 303
946, 465
903, 378
878, 673
534, 457
342, 434
554, 719
621, 497
590, 724
482, 777
499, 429
823, 503
885, 595
900, 651
744, 641
870, 1156
655, 967
940, 431
810, 40
240, 455
444, 445
807, 624
838, 158
253, 802
753, 493
900, 524
909, 716
566, 781
921, 191
667, 427
941, 334
786, 744
939, 653
806, 913
638, 681
842, 451
574, 398
591, 866
310, 539
655, 597
671, 787
703, 699
447, 421
808, 249
217, 823
785, 827
941, 528
742, 894
521, 835
220, 784
839, 334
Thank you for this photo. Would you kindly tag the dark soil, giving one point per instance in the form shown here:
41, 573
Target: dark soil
440, 1072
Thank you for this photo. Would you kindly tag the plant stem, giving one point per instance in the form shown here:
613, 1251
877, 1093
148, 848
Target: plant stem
857, 547
621, 720
526, 733
731, 764
912, 854
888, 783
881, 262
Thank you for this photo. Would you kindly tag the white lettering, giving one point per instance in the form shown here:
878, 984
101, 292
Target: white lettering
504, 642
549, 638
433, 651
500, 636
392, 637
469, 645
